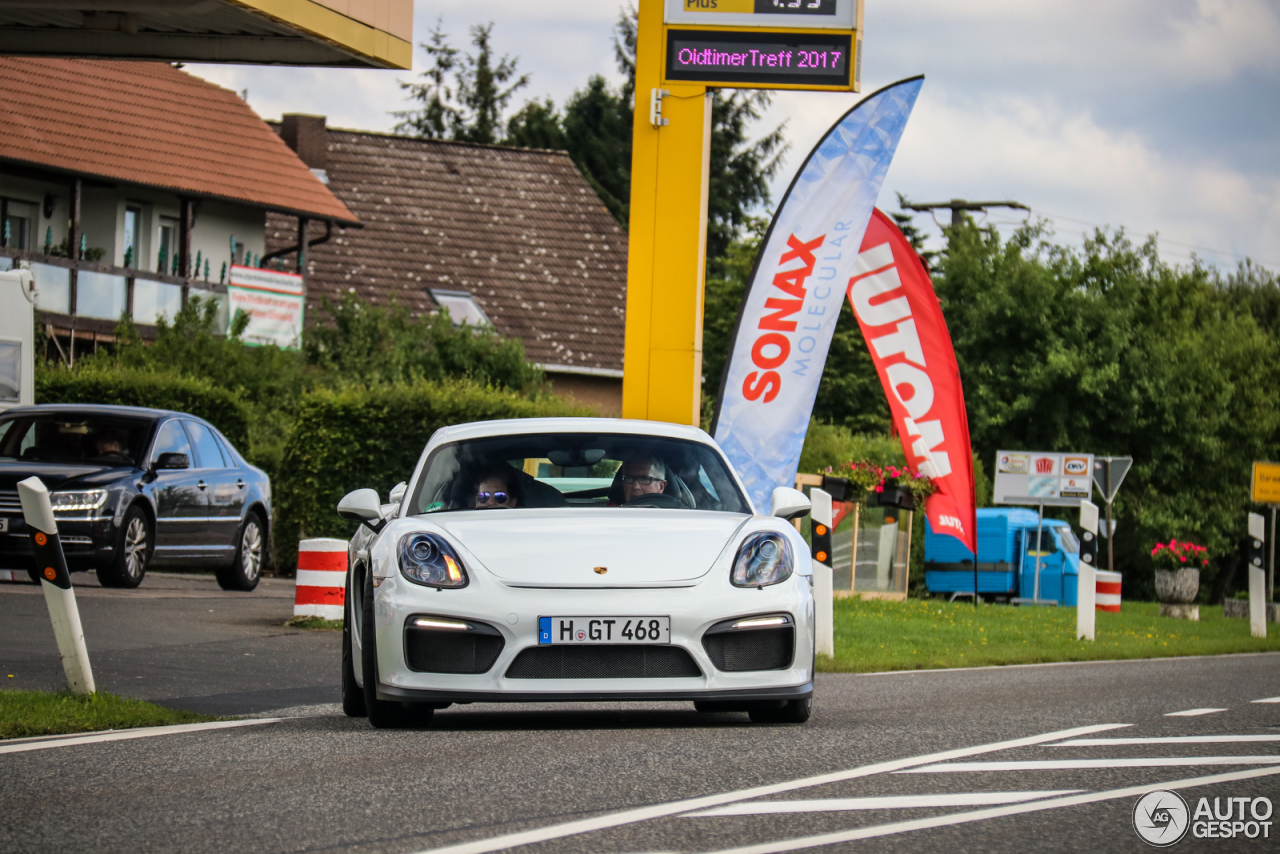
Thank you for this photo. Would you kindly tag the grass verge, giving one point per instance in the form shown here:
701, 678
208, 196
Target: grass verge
314, 623
875, 636
31, 713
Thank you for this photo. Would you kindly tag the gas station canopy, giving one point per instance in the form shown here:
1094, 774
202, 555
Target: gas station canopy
340, 33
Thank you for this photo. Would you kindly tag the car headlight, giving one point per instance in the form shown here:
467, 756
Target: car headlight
428, 559
763, 559
73, 502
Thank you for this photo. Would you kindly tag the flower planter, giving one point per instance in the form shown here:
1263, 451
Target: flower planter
1176, 590
896, 496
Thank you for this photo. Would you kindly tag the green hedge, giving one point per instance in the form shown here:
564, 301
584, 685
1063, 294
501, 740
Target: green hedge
357, 437
127, 387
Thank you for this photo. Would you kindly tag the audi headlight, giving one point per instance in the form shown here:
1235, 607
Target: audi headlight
75, 502
428, 559
763, 559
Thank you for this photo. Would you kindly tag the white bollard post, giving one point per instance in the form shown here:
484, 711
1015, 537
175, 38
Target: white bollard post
1257, 577
51, 566
823, 582
1257, 602
1086, 581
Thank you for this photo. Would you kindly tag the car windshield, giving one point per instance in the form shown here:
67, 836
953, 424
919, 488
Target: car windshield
1070, 544
74, 438
576, 470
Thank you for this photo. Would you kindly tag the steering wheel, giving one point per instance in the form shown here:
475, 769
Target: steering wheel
656, 499
109, 456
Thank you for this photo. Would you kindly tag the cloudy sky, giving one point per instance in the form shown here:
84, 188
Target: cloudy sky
1156, 115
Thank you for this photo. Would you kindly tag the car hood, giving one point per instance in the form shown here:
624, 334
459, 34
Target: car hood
60, 476
638, 547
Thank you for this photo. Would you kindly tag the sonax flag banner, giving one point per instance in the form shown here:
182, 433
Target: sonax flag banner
892, 297
793, 297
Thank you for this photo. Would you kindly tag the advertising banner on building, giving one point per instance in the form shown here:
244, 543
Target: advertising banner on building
892, 297
274, 302
789, 311
1043, 478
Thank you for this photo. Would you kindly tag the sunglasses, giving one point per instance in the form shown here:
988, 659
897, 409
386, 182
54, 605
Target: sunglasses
498, 497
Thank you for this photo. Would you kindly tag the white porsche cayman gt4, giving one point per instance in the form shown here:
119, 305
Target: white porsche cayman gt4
576, 559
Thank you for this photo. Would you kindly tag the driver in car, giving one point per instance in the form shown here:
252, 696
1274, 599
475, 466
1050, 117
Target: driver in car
643, 476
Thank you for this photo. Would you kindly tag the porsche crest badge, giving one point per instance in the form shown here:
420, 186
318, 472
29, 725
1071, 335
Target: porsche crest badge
601, 570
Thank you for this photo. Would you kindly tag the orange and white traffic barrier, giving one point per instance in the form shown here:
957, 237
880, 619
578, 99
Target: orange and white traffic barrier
1108, 588
322, 578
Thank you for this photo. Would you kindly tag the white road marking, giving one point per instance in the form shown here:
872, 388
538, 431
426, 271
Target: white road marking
126, 734
1092, 764
1170, 739
1191, 713
994, 812
573, 828
1267, 700
964, 799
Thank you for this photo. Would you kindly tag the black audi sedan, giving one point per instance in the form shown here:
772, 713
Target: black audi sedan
133, 488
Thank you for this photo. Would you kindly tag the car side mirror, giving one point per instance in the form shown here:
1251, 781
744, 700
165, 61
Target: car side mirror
173, 461
788, 503
362, 506
397, 492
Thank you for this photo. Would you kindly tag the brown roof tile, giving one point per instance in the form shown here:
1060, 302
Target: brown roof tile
149, 123
520, 230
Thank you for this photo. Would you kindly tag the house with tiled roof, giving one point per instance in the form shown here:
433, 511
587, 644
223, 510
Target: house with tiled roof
128, 187
515, 238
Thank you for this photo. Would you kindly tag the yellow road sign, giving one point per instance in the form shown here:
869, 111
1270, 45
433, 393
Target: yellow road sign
1266, 483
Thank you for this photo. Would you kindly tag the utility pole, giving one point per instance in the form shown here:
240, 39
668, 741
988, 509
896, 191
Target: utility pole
957, 206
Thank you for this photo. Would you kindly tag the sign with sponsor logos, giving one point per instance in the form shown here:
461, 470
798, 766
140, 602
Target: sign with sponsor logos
274, 302
795, 293
1043, 477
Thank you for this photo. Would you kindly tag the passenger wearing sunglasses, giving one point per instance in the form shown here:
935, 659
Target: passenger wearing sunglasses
496, 488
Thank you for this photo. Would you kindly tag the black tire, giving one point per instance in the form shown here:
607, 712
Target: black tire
134, 546
790, 712
383, 714
353, 705
245, 569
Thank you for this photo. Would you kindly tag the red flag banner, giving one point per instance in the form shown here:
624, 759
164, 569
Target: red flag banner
892, 297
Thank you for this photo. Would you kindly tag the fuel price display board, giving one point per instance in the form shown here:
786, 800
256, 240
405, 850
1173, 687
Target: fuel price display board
773, 59
831, 14
763, 44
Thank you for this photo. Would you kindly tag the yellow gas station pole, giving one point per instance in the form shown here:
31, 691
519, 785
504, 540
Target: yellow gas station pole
682, 46
666, 257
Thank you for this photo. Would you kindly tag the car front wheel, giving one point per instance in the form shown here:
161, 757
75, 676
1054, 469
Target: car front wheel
790, 712
133, 551
383, 714
251, 548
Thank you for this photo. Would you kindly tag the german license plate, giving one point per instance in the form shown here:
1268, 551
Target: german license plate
4, 525
612, 630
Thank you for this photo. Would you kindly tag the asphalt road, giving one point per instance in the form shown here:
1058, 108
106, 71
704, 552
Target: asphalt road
178, 640
631, 778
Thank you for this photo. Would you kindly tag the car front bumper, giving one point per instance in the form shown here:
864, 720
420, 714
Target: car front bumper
86, 543
514, 611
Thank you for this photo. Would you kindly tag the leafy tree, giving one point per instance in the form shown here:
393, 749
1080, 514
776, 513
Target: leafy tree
463, 95
370, 345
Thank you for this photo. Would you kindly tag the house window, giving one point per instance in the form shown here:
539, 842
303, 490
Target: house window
462, 308
132, 230
168, 241
19, 227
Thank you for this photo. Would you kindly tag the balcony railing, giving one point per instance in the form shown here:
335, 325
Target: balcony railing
86, 300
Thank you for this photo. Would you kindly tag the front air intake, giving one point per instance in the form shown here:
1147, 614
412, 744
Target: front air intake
602, 661
752, 643
432, 649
